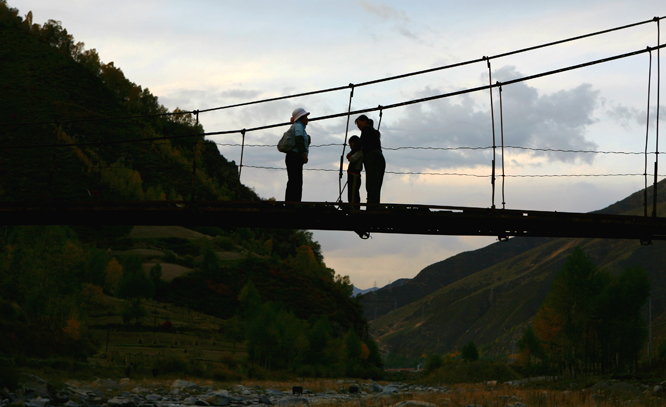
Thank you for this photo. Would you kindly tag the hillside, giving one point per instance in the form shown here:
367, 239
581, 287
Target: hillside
489, 295
54, 92
76, 129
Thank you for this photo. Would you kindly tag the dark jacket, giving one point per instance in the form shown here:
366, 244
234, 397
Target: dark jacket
370, 140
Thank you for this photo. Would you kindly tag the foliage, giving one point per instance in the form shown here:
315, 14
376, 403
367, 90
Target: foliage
434, 362
530, 349
478, 371
469, 352
54, 277
591, 319
9, 375
278, 340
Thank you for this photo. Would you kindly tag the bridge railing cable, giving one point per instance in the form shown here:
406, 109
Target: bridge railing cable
361, 84
490, 87
360, 111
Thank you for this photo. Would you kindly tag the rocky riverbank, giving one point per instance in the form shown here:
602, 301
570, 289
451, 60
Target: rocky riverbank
36, 392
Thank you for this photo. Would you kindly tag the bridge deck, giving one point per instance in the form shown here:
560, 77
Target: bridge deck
389, 218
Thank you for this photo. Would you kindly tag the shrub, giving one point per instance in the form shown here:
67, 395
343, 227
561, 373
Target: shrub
225, 243
9, 376
170, 364
223, 374
257, 372
228, 359
469, 352
434, 362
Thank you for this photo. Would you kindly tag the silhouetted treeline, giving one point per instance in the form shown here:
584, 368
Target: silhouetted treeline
590, 321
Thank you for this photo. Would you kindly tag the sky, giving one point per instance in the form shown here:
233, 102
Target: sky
201, 54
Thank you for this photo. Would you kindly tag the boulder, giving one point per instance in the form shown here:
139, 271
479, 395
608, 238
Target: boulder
38, 402
184, 384
413, 403
293, 402
217, 400
263, 399
106, 384
239, 388
600, 386
121, 402
41, 387
623, 389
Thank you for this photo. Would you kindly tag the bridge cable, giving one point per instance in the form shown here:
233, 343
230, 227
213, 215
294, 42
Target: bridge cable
58, 129
492, 120
470, 175
372, 82
656, 157
425, 71
340, 187
647, 133
502, 137
194, 162
240, 167
556, 150
366, 110
381, 113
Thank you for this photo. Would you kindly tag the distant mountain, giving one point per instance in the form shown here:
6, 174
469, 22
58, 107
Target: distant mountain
489, 295
358, 291
396, 283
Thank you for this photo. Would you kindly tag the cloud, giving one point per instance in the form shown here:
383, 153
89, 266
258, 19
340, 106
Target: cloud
629, 117
240, 94
552, 121
387, 13
384, 11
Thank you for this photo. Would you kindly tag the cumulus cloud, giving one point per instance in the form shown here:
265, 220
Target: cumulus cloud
552, 121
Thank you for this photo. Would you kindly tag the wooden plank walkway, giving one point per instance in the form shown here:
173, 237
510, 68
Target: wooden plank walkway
388, 218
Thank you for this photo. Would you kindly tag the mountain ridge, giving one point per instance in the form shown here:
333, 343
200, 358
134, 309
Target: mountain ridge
490, 294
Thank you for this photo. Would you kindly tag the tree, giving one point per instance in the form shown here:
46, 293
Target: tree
530, 348
210, 264
42, 273
250, 301
434, 362
354, 349
590, 318
134, 286
156, 273
572, 303
469, 352
319, 335
135, 282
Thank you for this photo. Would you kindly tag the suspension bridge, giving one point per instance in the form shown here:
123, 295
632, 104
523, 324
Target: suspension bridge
386, 218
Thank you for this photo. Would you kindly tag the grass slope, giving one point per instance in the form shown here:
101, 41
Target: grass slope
492, 306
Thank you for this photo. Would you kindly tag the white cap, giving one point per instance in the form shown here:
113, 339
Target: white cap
298, 113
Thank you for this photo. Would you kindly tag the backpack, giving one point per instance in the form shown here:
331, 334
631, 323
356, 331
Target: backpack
288, 141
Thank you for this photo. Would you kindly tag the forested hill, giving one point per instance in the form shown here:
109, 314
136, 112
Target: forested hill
491, 294
54, 92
